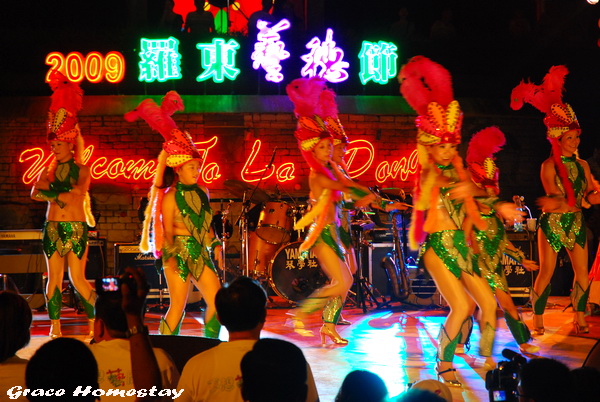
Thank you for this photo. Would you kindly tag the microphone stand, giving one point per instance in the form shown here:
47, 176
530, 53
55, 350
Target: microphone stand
243, 220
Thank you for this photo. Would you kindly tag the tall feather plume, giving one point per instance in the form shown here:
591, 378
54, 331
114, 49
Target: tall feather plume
156, 118
67, 94
171, 103
327, 104
424, 81
543, 96
484, 144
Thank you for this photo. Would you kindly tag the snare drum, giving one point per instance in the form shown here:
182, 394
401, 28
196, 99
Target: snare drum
275, 222
292, 279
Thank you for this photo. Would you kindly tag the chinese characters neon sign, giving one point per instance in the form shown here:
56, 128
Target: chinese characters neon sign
325, 60
378, 62
159, 60
269, 50
218, 60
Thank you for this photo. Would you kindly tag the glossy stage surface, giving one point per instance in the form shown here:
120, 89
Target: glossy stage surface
398, 343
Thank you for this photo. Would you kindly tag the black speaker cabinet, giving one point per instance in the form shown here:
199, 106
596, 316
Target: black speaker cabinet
96, 259
373, 271
519, 279
129, 255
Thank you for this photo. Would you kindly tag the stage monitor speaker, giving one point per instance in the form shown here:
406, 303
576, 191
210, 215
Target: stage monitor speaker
96, 259
518, 278
129, 255
182, 348
374, 272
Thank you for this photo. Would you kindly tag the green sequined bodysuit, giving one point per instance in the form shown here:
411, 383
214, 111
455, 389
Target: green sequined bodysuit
565, 229
193, 252
64, 236
451, 245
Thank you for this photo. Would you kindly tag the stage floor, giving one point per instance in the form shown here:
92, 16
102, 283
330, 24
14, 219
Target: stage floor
398, 343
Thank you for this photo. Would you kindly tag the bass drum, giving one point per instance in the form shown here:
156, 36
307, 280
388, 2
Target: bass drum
293, 279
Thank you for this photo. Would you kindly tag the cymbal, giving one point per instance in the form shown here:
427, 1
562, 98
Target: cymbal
240, 188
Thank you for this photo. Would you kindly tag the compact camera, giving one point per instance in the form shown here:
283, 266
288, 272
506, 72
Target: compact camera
111, 284
502, 382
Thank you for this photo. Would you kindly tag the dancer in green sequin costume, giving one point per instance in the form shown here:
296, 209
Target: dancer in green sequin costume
492, 242
329, 112
177, 225
568, 185
64, 185
323, 237
442, 217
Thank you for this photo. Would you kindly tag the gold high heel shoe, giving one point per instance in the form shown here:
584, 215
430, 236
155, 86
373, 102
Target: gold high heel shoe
449, 382
529, 349
55, 331
298, 327
580, 329
333, 335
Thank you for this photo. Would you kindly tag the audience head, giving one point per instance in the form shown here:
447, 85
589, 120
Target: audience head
435, 387
287, 370
241, 305
15, 321
420, 395
110, 312
62, 363
362, 386
586, 384
545, 380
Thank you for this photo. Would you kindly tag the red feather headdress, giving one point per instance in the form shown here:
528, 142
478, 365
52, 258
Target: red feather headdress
66, 102
480, 160
427, 87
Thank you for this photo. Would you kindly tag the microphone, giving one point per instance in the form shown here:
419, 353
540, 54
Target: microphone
270, 165
514, 356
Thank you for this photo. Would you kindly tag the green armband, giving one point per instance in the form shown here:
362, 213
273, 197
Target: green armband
357, 192
516, 255
488, 201
216, 242
51, 196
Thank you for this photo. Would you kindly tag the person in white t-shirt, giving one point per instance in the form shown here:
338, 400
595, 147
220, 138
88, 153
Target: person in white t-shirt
112, 350
215, 374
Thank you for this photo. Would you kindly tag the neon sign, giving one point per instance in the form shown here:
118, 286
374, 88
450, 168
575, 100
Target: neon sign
218, 60
159, 60
360, 157
269, 50
325, 60
377, 62
283, 173
93, 67
138, 169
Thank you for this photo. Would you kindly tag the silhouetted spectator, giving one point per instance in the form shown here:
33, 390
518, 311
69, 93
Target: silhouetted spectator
419, 395
286, 366
200, 22
434, 386
262, 14
545, 380
402, 29
586, 384
63, 364
362, 386
15, 322
242, 309
112, 349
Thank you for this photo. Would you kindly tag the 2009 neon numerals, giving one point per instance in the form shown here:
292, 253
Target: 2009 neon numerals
94, 67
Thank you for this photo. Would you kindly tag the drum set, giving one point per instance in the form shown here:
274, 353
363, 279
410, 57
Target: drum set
269, 245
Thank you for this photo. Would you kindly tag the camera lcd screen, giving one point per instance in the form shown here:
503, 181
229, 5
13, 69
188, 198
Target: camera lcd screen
499, 395
110, 284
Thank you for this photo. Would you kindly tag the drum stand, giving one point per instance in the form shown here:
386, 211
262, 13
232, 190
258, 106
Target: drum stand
365, 292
